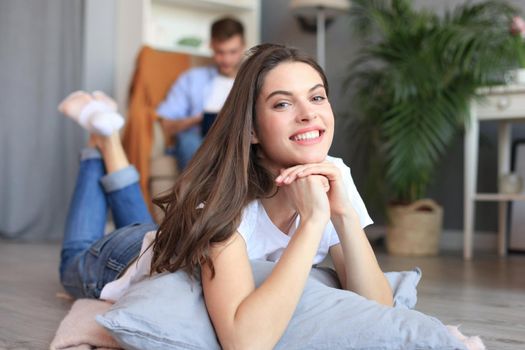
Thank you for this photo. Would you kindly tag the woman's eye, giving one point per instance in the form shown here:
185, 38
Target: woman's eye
318, 98
281, 105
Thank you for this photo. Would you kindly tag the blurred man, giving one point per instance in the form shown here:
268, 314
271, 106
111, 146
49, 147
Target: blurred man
202, 89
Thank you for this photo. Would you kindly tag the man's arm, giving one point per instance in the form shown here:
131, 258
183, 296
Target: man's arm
174, 111
174, 126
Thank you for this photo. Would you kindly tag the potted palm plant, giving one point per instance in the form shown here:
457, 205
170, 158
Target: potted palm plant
413, 81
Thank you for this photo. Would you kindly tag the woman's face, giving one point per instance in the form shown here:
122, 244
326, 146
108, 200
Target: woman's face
294, 119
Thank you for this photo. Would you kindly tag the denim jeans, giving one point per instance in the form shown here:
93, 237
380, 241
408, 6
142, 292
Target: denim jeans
90, 259
186, 144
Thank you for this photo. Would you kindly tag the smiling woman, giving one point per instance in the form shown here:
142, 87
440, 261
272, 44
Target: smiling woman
263, 164
261, 187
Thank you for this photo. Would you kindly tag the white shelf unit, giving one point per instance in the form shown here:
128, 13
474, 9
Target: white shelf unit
162, 23
505, 105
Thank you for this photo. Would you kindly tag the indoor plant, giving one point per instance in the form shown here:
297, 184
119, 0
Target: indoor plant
414, 78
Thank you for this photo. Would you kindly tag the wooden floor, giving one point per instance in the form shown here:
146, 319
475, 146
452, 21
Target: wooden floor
486, 296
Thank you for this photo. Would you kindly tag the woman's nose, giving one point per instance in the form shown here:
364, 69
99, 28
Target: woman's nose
305, 112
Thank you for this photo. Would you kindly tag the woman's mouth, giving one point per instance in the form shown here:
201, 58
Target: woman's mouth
308, 137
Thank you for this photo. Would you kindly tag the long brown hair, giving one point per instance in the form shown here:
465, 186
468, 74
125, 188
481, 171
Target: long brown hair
225, 174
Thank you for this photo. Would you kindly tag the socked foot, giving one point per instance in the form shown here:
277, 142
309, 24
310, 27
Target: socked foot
97, 114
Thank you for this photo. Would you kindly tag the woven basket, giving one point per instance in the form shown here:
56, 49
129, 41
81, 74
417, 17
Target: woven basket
414, 229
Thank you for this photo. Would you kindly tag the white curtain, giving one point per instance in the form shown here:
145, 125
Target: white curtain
40, 62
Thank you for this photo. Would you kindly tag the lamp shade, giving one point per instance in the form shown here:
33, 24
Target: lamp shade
310, 7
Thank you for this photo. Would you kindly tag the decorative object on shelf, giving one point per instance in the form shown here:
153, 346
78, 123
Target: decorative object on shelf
510, 183
190, 41
413, 83
315, 15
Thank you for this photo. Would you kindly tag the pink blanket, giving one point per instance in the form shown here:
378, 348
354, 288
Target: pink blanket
79, 330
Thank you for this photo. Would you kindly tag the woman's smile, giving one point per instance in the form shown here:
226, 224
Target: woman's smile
294, 119
309, 136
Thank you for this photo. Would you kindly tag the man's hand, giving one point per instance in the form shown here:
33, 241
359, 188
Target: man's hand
174, 126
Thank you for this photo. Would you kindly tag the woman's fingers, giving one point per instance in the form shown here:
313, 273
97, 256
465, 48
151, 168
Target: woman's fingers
285, 176
289, 175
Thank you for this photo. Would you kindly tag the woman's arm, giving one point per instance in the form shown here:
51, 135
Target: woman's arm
249, 318
354, 259
356, 264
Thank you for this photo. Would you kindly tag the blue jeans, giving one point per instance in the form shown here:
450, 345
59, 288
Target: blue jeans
186, 144
90, 259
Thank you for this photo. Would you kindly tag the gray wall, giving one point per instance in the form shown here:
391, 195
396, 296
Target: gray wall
280, 26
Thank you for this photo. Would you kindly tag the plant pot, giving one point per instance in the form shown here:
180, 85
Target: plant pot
414, 229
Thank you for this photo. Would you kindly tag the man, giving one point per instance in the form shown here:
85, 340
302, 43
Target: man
202, 89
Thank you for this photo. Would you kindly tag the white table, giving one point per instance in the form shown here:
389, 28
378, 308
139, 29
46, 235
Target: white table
504, 104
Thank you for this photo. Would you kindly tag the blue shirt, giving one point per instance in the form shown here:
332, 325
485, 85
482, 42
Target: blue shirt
188, 94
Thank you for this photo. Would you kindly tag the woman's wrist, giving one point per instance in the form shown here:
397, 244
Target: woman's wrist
343, 222
315, 223
348, 214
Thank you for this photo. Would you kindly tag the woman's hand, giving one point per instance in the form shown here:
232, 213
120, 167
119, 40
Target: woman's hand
337, 194
308, 196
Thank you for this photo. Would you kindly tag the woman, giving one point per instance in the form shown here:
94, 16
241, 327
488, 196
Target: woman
260, 187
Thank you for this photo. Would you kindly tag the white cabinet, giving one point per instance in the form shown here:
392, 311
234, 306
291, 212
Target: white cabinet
168, 24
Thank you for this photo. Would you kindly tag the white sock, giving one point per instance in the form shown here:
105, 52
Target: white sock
106, 123
99, 118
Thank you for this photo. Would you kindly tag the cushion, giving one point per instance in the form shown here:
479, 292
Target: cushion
167, 311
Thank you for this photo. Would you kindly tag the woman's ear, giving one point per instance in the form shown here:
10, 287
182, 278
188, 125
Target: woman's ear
254, 140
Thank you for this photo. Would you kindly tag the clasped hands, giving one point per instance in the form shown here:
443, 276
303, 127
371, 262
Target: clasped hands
316, 189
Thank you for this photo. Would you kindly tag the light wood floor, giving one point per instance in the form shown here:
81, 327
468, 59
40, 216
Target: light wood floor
486, 296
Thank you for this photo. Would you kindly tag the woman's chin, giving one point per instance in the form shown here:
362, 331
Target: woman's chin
316, 158
311, 159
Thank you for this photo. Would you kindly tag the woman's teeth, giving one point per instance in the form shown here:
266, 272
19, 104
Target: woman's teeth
310, 135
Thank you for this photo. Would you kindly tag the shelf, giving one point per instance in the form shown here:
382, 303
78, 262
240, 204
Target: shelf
499, 197
229, 5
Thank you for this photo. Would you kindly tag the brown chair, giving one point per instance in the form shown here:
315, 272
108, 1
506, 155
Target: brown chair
143, 139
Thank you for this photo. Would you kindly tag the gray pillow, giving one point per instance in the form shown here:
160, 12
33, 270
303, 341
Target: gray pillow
167, 311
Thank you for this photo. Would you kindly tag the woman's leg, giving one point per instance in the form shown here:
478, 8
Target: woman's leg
88, 259
86, 218
121, 185
85, 223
